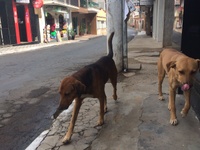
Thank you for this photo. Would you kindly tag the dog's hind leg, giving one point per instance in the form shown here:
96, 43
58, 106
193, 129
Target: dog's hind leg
105, 103
103, 106
113, 81
69, 133
161, 75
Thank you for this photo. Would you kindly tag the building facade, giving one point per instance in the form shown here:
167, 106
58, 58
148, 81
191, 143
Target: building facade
28, 21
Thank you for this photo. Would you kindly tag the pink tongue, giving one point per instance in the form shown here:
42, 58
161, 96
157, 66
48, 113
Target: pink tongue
185, 87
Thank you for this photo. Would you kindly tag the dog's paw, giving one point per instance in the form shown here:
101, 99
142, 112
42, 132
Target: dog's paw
66, 141
183, 113
161, 98
174, 121
105, 109
115, 97
100, 123
169, 107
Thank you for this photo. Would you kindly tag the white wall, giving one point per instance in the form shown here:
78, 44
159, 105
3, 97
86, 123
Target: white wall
41, 23
158, 20
163, 21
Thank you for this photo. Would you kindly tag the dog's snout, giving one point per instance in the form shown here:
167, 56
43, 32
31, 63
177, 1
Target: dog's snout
57, 113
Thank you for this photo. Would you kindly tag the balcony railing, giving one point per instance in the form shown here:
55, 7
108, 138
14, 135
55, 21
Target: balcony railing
93, 5
90, 4
83, 3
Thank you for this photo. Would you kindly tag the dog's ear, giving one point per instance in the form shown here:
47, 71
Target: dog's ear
198, 61
171, 64
80, 88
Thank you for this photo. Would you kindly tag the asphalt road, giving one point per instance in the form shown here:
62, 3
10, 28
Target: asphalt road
29, 87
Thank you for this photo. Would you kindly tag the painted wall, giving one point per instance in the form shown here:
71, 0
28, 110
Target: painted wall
101, 23
168, 22
158, 20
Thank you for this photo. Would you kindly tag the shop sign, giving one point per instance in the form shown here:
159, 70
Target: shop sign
146, 2
37, 3
23, 1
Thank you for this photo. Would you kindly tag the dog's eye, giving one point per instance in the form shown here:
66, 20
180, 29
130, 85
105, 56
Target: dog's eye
181, 72
67, 94
193, 72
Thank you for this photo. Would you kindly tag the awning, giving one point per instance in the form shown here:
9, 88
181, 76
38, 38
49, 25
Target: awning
87, 10
93, 10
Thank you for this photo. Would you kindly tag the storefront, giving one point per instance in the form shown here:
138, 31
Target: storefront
85, 21
22, 21
19, 23
57, 20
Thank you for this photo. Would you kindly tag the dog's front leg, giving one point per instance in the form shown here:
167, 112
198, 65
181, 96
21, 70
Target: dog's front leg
161, 76
68, 135
186, 107
172, 107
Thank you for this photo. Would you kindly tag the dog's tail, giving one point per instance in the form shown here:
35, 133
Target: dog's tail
110, 48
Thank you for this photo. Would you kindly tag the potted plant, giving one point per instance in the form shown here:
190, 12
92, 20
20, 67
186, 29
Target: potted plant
82, 29
71, 34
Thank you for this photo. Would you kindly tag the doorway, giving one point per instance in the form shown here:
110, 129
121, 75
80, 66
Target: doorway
75, 24
49, 19
21, 22
4, 30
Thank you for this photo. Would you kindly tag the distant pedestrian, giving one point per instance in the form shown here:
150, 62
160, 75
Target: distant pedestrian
48, 33
45, 34
53, 29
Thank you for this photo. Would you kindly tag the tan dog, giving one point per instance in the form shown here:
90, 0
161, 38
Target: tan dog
88, 82
180, 70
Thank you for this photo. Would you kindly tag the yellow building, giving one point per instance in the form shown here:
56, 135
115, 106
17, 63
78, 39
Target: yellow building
101, 22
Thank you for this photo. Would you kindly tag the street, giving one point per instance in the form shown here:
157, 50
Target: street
29, 87
137, 120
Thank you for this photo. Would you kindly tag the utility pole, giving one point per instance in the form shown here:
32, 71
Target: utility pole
117, 24
114, 24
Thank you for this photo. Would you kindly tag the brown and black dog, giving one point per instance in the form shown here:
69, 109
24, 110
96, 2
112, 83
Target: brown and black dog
88, 82
180, 70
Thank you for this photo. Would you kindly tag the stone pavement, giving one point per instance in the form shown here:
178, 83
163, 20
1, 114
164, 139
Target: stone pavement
136, 121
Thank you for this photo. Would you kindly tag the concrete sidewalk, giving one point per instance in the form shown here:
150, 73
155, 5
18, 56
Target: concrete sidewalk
30, 47
136, 121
